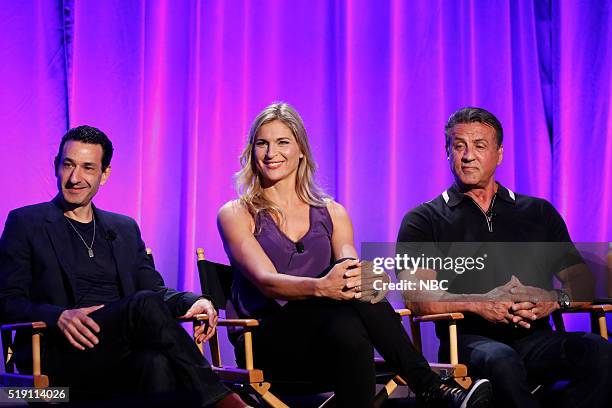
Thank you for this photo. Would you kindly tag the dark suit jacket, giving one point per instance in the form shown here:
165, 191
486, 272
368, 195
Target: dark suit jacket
37, 280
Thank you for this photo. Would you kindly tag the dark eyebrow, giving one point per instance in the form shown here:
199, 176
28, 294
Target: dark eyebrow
460, 139
68, 159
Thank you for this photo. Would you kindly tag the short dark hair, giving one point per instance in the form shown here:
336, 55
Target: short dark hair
474, 115
89, 135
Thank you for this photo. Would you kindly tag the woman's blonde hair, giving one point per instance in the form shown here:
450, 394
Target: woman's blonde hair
248, 179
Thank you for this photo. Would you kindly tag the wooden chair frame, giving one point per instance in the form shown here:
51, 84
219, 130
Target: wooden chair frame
10, 378
597, 316
459, 371
455, 370
249, 376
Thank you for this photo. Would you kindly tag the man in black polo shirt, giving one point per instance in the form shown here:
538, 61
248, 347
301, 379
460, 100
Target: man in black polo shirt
112, 327
506, 335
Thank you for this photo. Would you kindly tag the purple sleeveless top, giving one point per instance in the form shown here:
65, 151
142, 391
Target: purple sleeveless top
308, 258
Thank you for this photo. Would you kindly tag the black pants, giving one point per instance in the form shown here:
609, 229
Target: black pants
142, 350
542, 358
329, 342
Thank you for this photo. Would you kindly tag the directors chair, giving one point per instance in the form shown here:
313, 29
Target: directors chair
216, 281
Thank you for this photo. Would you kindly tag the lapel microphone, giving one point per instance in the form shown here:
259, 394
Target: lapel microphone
299, 247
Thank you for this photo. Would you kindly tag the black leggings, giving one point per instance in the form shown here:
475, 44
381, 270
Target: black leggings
330, 342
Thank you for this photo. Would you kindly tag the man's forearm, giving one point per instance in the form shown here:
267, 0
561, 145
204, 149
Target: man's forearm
444, 303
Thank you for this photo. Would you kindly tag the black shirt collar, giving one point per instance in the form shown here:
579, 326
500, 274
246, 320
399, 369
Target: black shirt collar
452, 196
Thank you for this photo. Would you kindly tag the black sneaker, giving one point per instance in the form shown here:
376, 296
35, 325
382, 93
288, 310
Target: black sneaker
452, 395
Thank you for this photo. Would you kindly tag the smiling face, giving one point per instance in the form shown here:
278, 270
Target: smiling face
79, 172
276, 152
474, 154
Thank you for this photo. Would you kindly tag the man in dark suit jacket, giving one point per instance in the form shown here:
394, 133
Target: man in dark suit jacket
85, 273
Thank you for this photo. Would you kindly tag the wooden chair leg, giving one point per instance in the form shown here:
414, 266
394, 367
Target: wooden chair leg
465, 382
36, 369
603, 326
415, 330
452, 336
200, 346
390, 387
599, 325
384, 394
215, 350
248, 350
263, 390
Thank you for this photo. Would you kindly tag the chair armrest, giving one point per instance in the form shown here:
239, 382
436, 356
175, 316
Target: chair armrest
23, 326
248, 337
224, 322
589, 308
215, 351
597, 315
238, 322
202, 317
439, 316
451, 318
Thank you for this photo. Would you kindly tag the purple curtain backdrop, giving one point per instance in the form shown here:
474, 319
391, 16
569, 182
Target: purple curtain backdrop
175, 85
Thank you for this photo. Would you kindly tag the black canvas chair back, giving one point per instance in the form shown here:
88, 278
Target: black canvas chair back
215, 280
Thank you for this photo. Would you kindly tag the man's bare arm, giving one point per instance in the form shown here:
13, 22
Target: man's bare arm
494, 306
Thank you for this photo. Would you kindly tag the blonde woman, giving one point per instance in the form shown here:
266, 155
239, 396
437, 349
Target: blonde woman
282, 234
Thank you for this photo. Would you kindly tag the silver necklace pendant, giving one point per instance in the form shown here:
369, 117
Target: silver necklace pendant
89, 247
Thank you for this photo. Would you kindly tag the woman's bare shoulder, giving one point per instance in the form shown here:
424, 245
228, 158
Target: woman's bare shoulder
234, 211
336, 210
